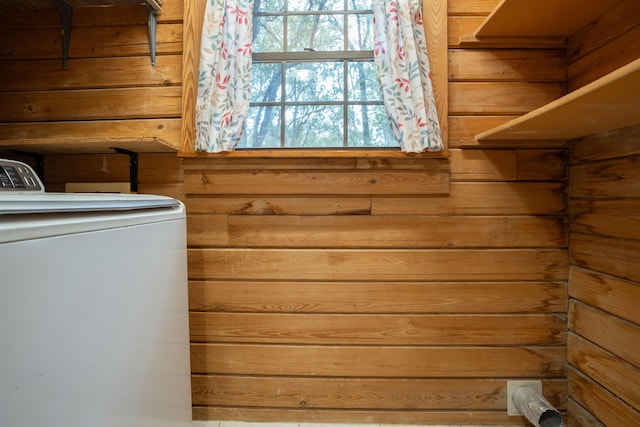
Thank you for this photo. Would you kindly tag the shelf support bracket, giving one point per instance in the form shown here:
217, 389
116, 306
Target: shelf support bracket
66, 14
152, 21
133, 167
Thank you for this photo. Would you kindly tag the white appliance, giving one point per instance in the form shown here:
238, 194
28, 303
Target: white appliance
93, 308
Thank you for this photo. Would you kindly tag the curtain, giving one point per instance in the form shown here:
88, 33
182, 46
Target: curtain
402, 66
224, 75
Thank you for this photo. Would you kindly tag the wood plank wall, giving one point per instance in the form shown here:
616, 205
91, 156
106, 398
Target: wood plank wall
368, 289
109, 89
604, 286
604, 319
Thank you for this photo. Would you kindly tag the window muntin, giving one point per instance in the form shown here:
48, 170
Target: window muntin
313, 77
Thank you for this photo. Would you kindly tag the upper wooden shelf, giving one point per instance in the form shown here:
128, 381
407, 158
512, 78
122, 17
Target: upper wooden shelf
608, 103
538, 18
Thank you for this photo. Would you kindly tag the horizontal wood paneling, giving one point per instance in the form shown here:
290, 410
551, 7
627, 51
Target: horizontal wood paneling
622, 256
381, 265
327, 182
380, 231
371, 329
126, 14
596, 147
611, 294
614, 178
90, 73
377, 297
445, 279
372, 416
379, 361
501, 98
506, 65
418, 394
90, 42
108, 90
617, 336
465, 198
604, 282
605, 44
151, 102
605, 406
463, 131
471, 7
614, 218
605, 368
470, 198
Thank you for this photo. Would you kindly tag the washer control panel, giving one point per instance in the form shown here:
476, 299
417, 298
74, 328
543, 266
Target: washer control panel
18, 176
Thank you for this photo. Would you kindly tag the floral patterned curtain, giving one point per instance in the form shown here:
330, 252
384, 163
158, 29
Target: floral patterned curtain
402, 66
225, 74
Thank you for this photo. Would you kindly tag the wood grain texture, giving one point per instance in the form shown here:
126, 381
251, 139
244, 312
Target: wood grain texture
193, 17
571, 116
541, 18
378, 297
90, 73
388, 362
361, 416
599, 402
435, 22
605, 368
480, 198
356, 231
362, 329
390, 394
611, 294
622, 256
324, 182
380, 265
603, 45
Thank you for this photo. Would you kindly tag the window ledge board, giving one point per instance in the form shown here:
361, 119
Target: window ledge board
313, 153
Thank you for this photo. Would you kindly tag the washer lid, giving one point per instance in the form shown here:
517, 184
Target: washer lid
34, 203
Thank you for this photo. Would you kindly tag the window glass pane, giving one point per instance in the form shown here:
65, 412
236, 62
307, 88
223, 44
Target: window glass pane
359, 4
314, 81
267, 34
266, 81
315, 5
369, 127
315, 32
363, 85
268, 6
313, 126
262, 128
360, 28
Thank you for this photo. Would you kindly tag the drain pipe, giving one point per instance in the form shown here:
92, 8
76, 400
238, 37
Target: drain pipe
535, 407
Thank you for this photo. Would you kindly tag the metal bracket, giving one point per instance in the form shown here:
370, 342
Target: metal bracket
133, 167
152, 21
66, 14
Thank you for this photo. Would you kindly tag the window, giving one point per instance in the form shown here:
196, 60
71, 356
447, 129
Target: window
313, 77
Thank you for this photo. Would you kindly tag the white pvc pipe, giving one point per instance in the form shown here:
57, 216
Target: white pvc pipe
536, 408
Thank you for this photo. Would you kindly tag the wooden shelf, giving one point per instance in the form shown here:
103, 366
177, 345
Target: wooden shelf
608, 103
87, 145
537, 18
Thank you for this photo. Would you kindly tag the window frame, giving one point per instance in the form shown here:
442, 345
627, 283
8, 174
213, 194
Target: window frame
435, 13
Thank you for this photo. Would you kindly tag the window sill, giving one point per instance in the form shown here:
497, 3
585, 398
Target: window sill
315, 153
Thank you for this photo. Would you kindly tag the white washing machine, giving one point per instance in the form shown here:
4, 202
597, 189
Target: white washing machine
93, 308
